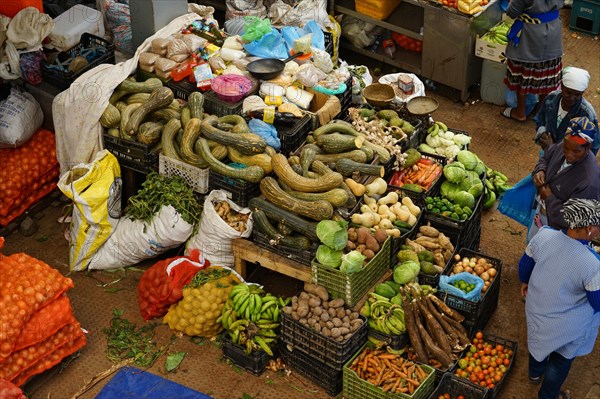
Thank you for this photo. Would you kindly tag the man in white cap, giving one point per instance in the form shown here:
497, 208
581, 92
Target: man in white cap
560, 106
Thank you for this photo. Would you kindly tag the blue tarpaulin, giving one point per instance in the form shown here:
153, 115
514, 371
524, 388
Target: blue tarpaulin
133, 383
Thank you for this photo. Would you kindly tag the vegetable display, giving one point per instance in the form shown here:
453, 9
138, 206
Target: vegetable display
444, 142
429, 245
383, 309
251, 317
420, 176
389, 371
461, 209
480, 267
313, 308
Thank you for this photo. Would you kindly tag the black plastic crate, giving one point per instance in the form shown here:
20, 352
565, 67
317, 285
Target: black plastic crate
434, 188
477, 314
62, 78
238, 190
455, 386
302, 256
292, 137
395, 342
255, 362
345, 99
326, 376
319, 347
328, 42
215, 106
183, 88
495, 340
132, 154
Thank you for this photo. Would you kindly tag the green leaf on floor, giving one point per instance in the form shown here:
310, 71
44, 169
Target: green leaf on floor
42, 239
174, 360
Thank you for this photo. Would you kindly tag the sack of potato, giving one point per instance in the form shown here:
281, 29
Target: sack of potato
203, 300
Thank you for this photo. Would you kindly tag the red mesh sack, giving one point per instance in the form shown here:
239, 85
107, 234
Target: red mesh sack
52, 359
46, 322
26, 286
21, 360
10, 391
162, 284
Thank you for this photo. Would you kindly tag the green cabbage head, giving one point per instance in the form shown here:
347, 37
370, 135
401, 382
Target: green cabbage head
455, 172
464, 198
352, 262
406, 272
333, 234
328, 257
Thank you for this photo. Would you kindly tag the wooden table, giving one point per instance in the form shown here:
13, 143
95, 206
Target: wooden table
246, 251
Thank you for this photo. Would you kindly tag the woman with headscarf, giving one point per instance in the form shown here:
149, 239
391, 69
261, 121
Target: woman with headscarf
560, 278
561, 106
567, 169
534, 52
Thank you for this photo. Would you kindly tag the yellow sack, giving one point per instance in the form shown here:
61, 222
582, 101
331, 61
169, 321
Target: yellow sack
95, 189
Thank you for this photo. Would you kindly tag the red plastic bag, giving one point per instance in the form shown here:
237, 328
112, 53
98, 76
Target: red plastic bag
162, 284
10, 391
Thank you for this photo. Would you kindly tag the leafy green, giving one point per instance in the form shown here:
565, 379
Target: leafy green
333, 234
468, 159
454, 172
352, 262
174, 360
328, 257
449, 190
464, 198
406, 272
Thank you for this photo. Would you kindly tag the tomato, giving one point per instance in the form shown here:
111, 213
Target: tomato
499, 348
497, 377
473, 378
506, 362
479, 335
460, 397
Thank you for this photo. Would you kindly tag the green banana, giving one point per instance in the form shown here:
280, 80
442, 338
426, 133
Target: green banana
267, 333
268, 326
442, 126
257, 305
366, 309
242, 308
275, 316
240, 324
263, 345
267, 304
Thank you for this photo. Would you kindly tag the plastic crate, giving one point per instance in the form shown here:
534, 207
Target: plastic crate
256, 362
328, 377
495, 340
345, 99
477, 314
238, 190
393, 341
132, 154
195, 177
352, 287
328, 42
63, 78
357, 388
182, 89
454, 239
434, 188
292, 137
319, 347
455, 386
302, 256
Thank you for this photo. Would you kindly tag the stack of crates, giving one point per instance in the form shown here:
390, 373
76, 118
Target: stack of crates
585, 16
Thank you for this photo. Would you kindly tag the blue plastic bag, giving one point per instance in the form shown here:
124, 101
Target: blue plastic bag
517, 201
473, 296
266, 131
270, 45
292, 33
530, 100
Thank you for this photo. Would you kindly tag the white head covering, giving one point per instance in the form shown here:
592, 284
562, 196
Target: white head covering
575, 78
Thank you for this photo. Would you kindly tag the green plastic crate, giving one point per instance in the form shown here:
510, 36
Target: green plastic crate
352, 287
357, 388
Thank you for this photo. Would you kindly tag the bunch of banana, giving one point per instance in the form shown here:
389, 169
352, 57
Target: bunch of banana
384, 316
436, 127
496, 184
497, 33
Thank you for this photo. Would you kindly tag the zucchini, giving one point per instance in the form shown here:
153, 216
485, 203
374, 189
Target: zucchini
196, 105
253, 174
317, 210
125, 115
165, 114
168, 139
150, 132
185, 115
336, 196
159, 98
246, 143
355, 155
336, 127
368, 150
347, 166
238, 122
284, 171
307, 156
334, 143
110, 117
262, 223
131, 86
295, 222
191, 132
262, 160
284, 229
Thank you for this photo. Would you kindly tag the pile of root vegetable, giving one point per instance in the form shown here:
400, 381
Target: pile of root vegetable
235, 219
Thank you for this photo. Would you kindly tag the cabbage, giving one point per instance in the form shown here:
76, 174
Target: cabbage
328, 257
476, 189
451, 151
455, 172
426, 148
433, 141
468, 159
352, 262
461, 140
449, 190
464, 198
406, 272
333, 234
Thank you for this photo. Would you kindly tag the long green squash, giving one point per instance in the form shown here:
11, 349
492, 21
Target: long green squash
168, 139
253, 174
293, 221
246, 143
284, 171
262, 223
316, 210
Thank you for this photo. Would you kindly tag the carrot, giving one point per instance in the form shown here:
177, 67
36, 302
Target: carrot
411, 388
389, 356
413, 382
425, 161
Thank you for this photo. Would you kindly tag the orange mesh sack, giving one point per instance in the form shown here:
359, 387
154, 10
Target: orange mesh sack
162, 284
21, 360
46, 322
51, 360
26, 286
10, 391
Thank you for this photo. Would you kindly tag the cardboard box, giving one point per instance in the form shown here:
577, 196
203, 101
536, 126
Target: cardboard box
323, 108
490, 51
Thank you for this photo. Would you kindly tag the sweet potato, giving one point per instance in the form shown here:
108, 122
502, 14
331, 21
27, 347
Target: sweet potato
362, 234
380, 236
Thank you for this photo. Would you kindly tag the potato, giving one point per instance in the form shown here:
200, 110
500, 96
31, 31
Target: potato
337, 303
341, 313
304, 295
337, 322
317, 327
324, 316
340, 338
302, 310
325, 305
332, 312
352, 235
372, 244
346, 320
349, 311
348, 336
350, 245
355, 324
303, 321
287, 309
344, 330
335, 332
326, 331
360, 248
295, 316
362, 234
368, 253
353, 316
314, 302
318, 290
312, 321
329, 324
317, 311
380, 236
294, 305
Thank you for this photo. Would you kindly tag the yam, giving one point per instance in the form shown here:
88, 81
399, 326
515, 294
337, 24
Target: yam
380, 236
429, 231
372, 243
362, 234
318, 290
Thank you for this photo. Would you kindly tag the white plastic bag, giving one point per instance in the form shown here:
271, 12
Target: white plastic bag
20, 117
133, 241
214, 236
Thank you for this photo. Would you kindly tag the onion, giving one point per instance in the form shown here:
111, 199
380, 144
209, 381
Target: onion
491, 272
458, 268
479, 270
469, 269
485, 276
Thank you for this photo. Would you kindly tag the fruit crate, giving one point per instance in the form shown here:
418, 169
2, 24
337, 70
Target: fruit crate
326, 376
195, 177
302, 256
357, 388
62, 78
352, 287
255, 363
319, 347
395, 342
132, 154
292, 137
455, 240
477, 314
495, 340
435, 186
455, 386
238, 190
